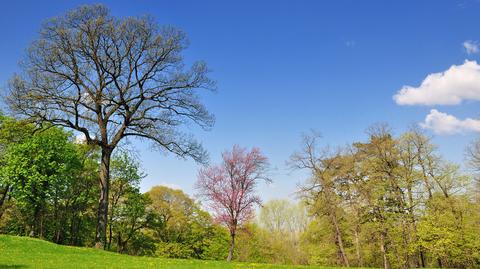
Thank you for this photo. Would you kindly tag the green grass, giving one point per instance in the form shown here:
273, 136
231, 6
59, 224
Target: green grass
24, 252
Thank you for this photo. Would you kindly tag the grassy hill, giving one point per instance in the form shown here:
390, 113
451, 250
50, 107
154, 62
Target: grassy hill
24, 252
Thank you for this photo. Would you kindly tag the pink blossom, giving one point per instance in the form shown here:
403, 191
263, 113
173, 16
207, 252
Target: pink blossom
230, 186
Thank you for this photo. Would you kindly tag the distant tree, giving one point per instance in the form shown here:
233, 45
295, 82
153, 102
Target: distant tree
275, 215
284, 217
175, 210
282, 223
111, 78
230, 187
184, 230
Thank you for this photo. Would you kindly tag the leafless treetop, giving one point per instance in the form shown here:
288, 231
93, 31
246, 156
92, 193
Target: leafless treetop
111, 78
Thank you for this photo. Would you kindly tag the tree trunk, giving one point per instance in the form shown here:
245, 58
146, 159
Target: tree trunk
121, 244
38, 220
422, 259
56, 218
413, 234
339, 241
357, 246
110, 233
102, 217
440, 264
424, 175
232, 246
383, 249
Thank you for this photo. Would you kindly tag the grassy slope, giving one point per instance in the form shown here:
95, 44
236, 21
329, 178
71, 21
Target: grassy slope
24, 252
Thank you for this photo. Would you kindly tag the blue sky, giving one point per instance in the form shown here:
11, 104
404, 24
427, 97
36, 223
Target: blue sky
285, 67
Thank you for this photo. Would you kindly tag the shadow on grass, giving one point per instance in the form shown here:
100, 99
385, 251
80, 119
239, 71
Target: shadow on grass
12, 266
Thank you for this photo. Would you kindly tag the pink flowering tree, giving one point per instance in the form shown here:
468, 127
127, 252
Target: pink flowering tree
230, 187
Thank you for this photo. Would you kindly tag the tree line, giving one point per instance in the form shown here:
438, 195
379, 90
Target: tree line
49, 190
390, 202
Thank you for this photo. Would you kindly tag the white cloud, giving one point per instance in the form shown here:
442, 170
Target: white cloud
471, 47
451, 87
443, 123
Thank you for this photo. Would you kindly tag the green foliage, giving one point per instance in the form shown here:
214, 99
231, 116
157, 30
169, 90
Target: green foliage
392, 201
389, 202
282, 224
317, 242
12, 132
129, 209
216, 245
47, 183
173, 250
250, 244
184, 231
448, 232
41, 169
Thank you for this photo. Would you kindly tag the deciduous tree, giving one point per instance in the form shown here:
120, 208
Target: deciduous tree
320, 191
230, 187
110, 78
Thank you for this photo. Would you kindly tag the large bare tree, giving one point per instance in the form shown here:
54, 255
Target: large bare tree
110, 78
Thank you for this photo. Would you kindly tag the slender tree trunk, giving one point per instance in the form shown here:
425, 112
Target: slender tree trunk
78, 224
55, 217
36, 221
440, 264
383, 249
406, 259
41, 222
102, 217
232, 247
110, 232
58, 237
72, 229
357, 246
413, 222
425, 178
339, 240
422, 259
121, 244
